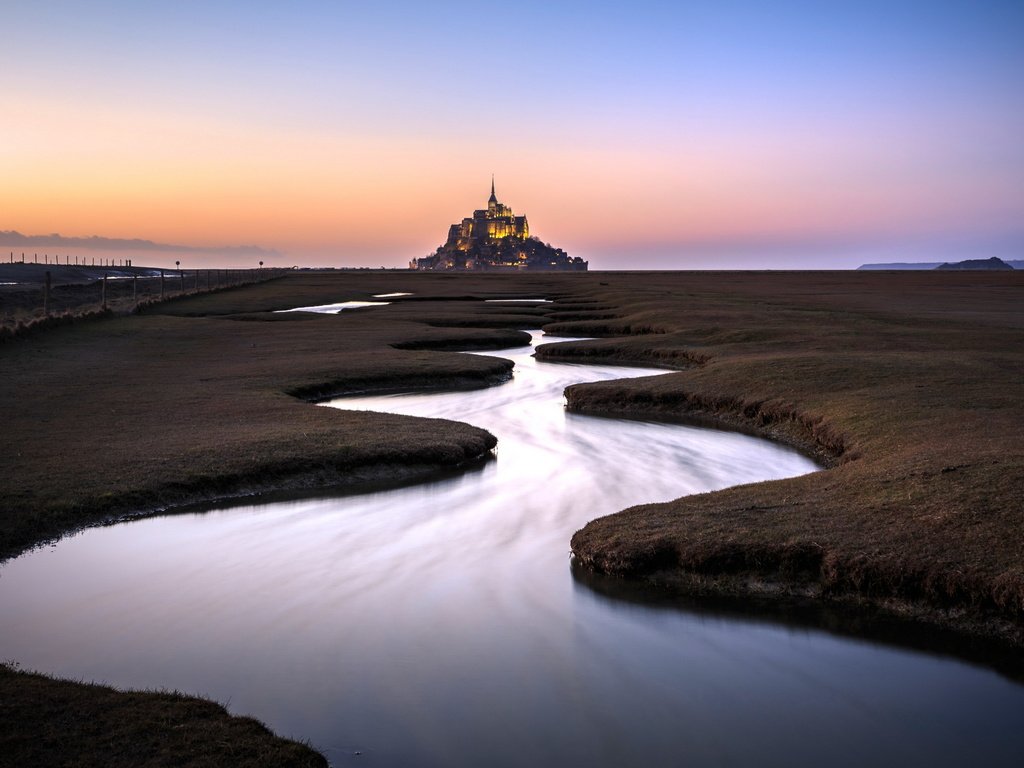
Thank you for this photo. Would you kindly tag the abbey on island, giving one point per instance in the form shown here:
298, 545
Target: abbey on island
494, 238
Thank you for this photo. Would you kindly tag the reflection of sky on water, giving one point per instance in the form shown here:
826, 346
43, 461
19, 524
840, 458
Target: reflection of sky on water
333, 309
439, 624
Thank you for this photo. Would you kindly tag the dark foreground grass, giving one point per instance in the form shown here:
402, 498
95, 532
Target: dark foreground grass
78, 725
907, 386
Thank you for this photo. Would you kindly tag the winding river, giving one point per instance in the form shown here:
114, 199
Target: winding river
440, 624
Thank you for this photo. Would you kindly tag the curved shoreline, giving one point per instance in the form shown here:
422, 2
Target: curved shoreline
191, 723
905, 522
124, 727
290, 477
285, 447
804, 574
893, 624
51, 721
288, 486
793, 429
801, 572
909, 405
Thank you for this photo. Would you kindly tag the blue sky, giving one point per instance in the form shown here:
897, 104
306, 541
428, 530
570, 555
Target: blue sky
811, 133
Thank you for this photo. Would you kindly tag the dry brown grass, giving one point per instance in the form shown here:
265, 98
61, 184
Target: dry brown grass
909, 386
47, 722
135, 413
909, 383
123, 415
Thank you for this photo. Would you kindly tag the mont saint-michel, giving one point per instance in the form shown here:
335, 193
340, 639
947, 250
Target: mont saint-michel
494, 238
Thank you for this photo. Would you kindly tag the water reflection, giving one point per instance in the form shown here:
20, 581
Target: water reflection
838, 619
512, 301
333, 309
439, 624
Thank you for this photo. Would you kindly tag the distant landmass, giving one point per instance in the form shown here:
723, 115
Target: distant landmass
10, 238
495, 239
992, 263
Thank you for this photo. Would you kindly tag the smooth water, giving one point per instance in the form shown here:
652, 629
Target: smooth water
440, 625
340, 306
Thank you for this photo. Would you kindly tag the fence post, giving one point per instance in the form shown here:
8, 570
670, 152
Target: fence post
161, 285
46, 295
135, 289
103, 295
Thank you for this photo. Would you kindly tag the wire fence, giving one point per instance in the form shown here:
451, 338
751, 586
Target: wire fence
23, 307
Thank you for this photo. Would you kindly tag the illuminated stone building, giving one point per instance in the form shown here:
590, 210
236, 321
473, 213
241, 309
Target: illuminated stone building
494, 222
496, 239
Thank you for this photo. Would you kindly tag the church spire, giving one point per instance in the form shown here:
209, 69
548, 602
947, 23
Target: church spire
492, 198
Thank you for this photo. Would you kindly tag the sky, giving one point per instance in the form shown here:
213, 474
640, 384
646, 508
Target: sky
642, 135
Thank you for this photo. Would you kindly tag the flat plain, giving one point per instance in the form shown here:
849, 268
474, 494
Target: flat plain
908, 387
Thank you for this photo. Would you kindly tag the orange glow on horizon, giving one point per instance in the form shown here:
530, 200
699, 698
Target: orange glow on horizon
213, 182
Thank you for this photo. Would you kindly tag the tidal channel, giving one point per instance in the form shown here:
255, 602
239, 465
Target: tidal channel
441, 625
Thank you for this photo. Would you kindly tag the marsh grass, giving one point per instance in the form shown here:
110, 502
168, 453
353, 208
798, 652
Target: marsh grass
118, 416
908, 386
59, 722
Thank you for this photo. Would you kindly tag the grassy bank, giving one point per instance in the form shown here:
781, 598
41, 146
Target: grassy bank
131, 414
204, 398
907, 386
58, 722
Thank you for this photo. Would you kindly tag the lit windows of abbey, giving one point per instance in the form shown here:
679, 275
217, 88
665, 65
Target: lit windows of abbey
496, 239
496, 222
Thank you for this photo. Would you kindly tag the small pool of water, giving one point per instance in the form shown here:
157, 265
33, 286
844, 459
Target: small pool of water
333, 309
528, 301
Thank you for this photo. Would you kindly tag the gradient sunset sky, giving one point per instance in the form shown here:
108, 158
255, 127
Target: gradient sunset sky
636, 135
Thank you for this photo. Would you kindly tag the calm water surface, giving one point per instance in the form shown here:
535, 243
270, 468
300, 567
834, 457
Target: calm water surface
439, 625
